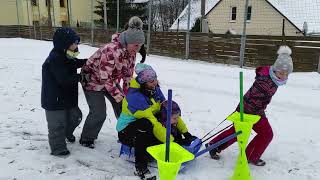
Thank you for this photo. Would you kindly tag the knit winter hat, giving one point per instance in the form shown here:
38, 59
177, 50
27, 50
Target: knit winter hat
134, 34
141, 66
146, 75
175, 107
284, 60
164, 109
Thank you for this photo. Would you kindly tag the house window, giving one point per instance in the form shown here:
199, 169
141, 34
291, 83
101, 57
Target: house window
249, 13
62, 3
34, 2
47, 2
36, 23
233, 13
64, 23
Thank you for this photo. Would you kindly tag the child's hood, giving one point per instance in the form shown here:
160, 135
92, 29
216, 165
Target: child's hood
262, 71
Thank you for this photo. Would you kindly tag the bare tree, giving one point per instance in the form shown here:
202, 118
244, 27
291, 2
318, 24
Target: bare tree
168, 11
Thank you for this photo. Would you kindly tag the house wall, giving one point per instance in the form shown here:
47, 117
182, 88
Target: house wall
9, 15
80, 10
265, 20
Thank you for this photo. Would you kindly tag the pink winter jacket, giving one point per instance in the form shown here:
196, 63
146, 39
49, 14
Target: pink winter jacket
107, 66
257, 98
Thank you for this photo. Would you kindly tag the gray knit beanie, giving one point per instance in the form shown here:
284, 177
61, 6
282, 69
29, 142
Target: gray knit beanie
284, 60
134, 34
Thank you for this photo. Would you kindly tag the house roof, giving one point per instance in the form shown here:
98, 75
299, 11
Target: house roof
300, 11
195, 13
296, 11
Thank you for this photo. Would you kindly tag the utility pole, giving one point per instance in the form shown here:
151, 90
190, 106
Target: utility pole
49, 13
92, 23
118, 14
28, 18
105, 14
149, 27
40, 29
243, 38
17, 7
54, 17
188, 31
203, 9
69, 13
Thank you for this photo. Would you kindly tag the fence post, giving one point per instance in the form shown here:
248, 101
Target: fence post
319, 65
187, 44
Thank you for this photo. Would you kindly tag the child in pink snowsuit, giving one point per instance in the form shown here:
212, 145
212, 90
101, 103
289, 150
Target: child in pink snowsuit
255, 101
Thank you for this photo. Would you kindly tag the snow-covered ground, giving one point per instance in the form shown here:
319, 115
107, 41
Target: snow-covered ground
207, 93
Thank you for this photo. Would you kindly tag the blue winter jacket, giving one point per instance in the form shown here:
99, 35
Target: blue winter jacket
59, 89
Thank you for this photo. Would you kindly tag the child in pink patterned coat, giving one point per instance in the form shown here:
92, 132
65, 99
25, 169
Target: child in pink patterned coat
107, 68
255, 101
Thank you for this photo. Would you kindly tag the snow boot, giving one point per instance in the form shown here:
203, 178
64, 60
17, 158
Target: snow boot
213, 153
260, 162
62, 154
145, 174
71, 139
87, 143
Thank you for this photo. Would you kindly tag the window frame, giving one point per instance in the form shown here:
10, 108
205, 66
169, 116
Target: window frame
249, 19
62, 3
34, 2
233, 14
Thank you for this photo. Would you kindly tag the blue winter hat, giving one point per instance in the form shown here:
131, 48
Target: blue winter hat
64, 37
141, 66
164, 109
146, 75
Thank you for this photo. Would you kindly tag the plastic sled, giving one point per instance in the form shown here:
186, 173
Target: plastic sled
126, 150
194, 147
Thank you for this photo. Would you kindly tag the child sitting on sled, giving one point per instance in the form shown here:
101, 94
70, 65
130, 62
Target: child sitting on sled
138, 125
178, 128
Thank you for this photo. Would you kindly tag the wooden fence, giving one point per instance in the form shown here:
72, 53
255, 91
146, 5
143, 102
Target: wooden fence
219, 48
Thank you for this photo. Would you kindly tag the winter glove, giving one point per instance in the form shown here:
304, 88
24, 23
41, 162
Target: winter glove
80, 62
178, 139
118, 98
182, 142
84, 78
188, 138
143, 53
